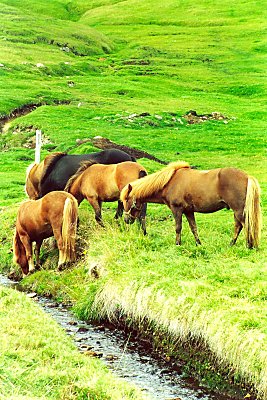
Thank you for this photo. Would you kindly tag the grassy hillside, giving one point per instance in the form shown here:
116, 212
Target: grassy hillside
92, 68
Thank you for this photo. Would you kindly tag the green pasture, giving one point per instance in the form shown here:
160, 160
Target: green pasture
93, 68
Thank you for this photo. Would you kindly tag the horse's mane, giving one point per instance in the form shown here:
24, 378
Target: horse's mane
49, 163
83, 166
18, 249
150, 184
29, 168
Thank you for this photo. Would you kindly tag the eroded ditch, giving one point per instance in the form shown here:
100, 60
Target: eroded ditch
123, 355
24, 110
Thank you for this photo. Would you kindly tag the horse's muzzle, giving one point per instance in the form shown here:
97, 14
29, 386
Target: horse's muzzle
128, 219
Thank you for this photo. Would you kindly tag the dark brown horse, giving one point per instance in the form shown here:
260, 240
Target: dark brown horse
186, 191
56, 169
53, 215
99, 183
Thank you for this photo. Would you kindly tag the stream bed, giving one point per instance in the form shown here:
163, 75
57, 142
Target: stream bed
124, 356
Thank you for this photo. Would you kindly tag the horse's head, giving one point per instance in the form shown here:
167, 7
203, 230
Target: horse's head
19, 254
132, 206
32, 182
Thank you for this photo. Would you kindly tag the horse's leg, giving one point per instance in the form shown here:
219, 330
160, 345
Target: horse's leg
37, 253
142, 218
238, 228
190, 216
28, 249
177, 213
119, 210
96, 204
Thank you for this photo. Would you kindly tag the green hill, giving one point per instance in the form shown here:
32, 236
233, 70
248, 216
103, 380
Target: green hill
131, 71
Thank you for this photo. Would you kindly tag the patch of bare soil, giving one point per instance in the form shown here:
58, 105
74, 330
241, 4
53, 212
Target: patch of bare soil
104, 143
193, 118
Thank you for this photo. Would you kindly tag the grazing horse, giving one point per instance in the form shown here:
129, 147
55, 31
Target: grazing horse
53, 215
56, 169
99, 183
186, 191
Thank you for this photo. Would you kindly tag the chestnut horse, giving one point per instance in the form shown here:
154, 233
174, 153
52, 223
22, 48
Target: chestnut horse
99, 183
53, 215
186, 191
56, 169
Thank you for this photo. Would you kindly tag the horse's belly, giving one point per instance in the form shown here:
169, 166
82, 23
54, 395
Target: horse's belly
210, 208
41, 234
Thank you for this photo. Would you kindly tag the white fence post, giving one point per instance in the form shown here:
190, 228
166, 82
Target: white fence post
38, 145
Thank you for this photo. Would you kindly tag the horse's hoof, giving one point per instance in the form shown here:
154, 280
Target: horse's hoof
64, 266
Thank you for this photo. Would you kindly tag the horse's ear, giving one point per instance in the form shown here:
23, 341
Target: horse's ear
142, 173
130, 188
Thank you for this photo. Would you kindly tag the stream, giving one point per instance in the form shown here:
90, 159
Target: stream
123, 355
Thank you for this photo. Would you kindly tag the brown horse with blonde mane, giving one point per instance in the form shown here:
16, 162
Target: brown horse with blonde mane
53, 215
99, 183
186, 191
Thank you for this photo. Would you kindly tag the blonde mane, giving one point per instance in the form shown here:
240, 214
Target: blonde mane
148, 185
83, 167
29, 168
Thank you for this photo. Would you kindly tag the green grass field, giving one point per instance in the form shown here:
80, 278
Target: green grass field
89, 66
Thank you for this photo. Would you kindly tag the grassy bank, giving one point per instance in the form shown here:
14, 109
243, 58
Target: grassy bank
123, 59
38, 360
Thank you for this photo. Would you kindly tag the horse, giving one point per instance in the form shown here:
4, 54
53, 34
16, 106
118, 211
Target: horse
55, 214
100, 183
55, 170
186, 191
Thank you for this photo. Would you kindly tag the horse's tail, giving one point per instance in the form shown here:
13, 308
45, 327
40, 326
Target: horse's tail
19, 253
252, 212
69, 228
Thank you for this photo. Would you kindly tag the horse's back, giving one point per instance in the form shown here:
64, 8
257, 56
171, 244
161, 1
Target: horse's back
112, 156
128, 171
52, 204
192, 180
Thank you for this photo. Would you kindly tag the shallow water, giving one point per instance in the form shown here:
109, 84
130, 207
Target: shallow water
124, 356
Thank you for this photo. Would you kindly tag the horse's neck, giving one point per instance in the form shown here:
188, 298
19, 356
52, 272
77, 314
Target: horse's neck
76, 190
154, 198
